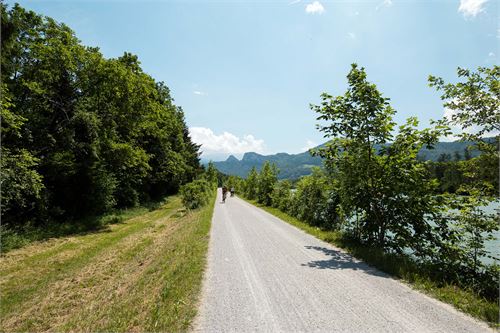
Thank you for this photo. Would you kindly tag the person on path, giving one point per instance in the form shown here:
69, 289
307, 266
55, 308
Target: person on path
224, 193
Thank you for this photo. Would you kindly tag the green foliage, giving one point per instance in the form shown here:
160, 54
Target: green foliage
448, 174
251, 184
266, 180
281, 195
234, 182
82, 134
464, 231
211, 173
21, 184
310, 199
475, 102
385, 195
196, 194
356, 122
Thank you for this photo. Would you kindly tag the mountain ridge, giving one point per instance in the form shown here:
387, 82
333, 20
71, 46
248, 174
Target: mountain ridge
294, 166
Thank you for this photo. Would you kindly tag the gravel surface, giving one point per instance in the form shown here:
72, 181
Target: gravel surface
265, 275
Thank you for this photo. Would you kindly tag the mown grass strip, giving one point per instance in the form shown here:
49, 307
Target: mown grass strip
142, 275
398, 266
12, 239
40, 270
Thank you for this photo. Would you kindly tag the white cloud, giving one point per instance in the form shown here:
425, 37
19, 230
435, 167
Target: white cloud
309, 144
448, 114
491, 54
294, 2
315, 8
200, 93
225, 143
352, 35
385, 3
471, 8
456, 130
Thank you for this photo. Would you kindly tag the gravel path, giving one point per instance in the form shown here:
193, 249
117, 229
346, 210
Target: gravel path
265, 275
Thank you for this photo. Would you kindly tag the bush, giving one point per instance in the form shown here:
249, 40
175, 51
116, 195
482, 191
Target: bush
281, 195
268, 177
196, 194
314, 201
22, 185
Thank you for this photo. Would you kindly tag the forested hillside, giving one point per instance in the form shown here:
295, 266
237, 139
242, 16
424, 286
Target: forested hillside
293, 166
82, 134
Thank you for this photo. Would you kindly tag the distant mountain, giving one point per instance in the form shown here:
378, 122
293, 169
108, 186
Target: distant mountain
294, 166
291, 165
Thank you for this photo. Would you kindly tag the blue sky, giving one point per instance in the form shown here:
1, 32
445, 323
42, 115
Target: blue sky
245, 71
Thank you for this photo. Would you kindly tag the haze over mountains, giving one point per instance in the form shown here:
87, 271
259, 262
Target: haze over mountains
294, 166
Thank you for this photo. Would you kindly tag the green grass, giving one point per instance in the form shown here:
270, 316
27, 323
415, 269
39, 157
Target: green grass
15, 238
142, 274
403, 268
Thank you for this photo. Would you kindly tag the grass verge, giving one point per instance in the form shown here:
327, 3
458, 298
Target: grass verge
401, 267
143, 274
15, 238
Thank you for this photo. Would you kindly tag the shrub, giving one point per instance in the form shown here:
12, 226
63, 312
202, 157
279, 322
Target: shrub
196, 194
314, 201
268, 177
281, 195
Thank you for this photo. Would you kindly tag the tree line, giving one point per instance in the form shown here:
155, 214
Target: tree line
82, 134
389, 199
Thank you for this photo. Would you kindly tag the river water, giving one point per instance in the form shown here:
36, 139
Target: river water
493, 246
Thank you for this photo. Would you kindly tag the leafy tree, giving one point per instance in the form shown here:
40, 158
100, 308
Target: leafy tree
251, 184
310, 198
388, 195
266, 180
407, 192
211, 173
234, 182
462, 232
475, 102
452, 177
357, 121
281, 195
21, 184
83, 133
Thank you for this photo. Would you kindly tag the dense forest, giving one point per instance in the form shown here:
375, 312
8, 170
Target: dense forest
391, 200
82, 134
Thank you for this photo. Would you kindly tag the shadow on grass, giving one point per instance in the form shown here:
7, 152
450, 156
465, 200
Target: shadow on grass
14, 237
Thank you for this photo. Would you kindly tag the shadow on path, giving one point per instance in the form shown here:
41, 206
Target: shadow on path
340, 260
